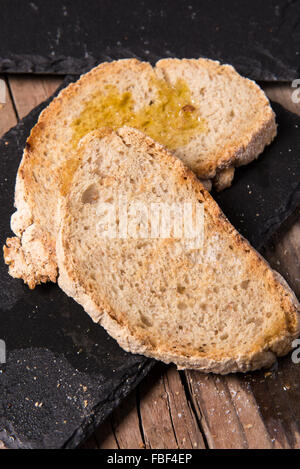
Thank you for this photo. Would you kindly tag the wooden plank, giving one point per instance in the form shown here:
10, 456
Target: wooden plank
282, 94
248, 413
90, 443
166, 418
105, 437
155, 414
254, 411
166, 399
188, 434
8, 116
126, 425
30, 91
229, 415
277, 396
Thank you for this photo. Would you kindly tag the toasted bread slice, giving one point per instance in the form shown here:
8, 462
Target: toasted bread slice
215, 306
206, 113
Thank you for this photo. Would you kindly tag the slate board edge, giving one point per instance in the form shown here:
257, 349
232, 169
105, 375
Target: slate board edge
275, 223
89, 426
91, 422
63, 65
59, 65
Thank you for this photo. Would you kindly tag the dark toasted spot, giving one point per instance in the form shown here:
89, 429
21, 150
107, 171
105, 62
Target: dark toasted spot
90, 195
188, 108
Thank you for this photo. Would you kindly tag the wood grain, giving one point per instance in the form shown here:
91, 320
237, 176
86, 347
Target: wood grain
230, 415
185, 424
8, 116
30, 91
167, 419
103, 438
156, 418
172, 409
126, 424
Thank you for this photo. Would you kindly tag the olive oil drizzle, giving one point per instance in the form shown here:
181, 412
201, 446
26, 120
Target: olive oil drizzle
171, 119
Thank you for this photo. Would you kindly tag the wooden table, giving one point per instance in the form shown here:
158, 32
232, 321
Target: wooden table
172, 409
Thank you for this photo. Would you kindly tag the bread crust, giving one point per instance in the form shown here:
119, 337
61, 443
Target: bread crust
258, 135
262, 354
39, 265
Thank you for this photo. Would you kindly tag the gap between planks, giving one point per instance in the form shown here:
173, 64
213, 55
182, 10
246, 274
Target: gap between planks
157, 415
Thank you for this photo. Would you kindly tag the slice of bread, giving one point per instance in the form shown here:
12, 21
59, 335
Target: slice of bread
210, 117
215, 306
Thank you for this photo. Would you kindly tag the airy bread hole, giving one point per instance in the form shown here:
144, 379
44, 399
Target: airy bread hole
245, 284
186, 279
98, 161
90, 195
256, 321
145, 320
224, 336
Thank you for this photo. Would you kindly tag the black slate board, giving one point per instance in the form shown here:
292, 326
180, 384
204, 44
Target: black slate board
64, 374
267, 191
260, 38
